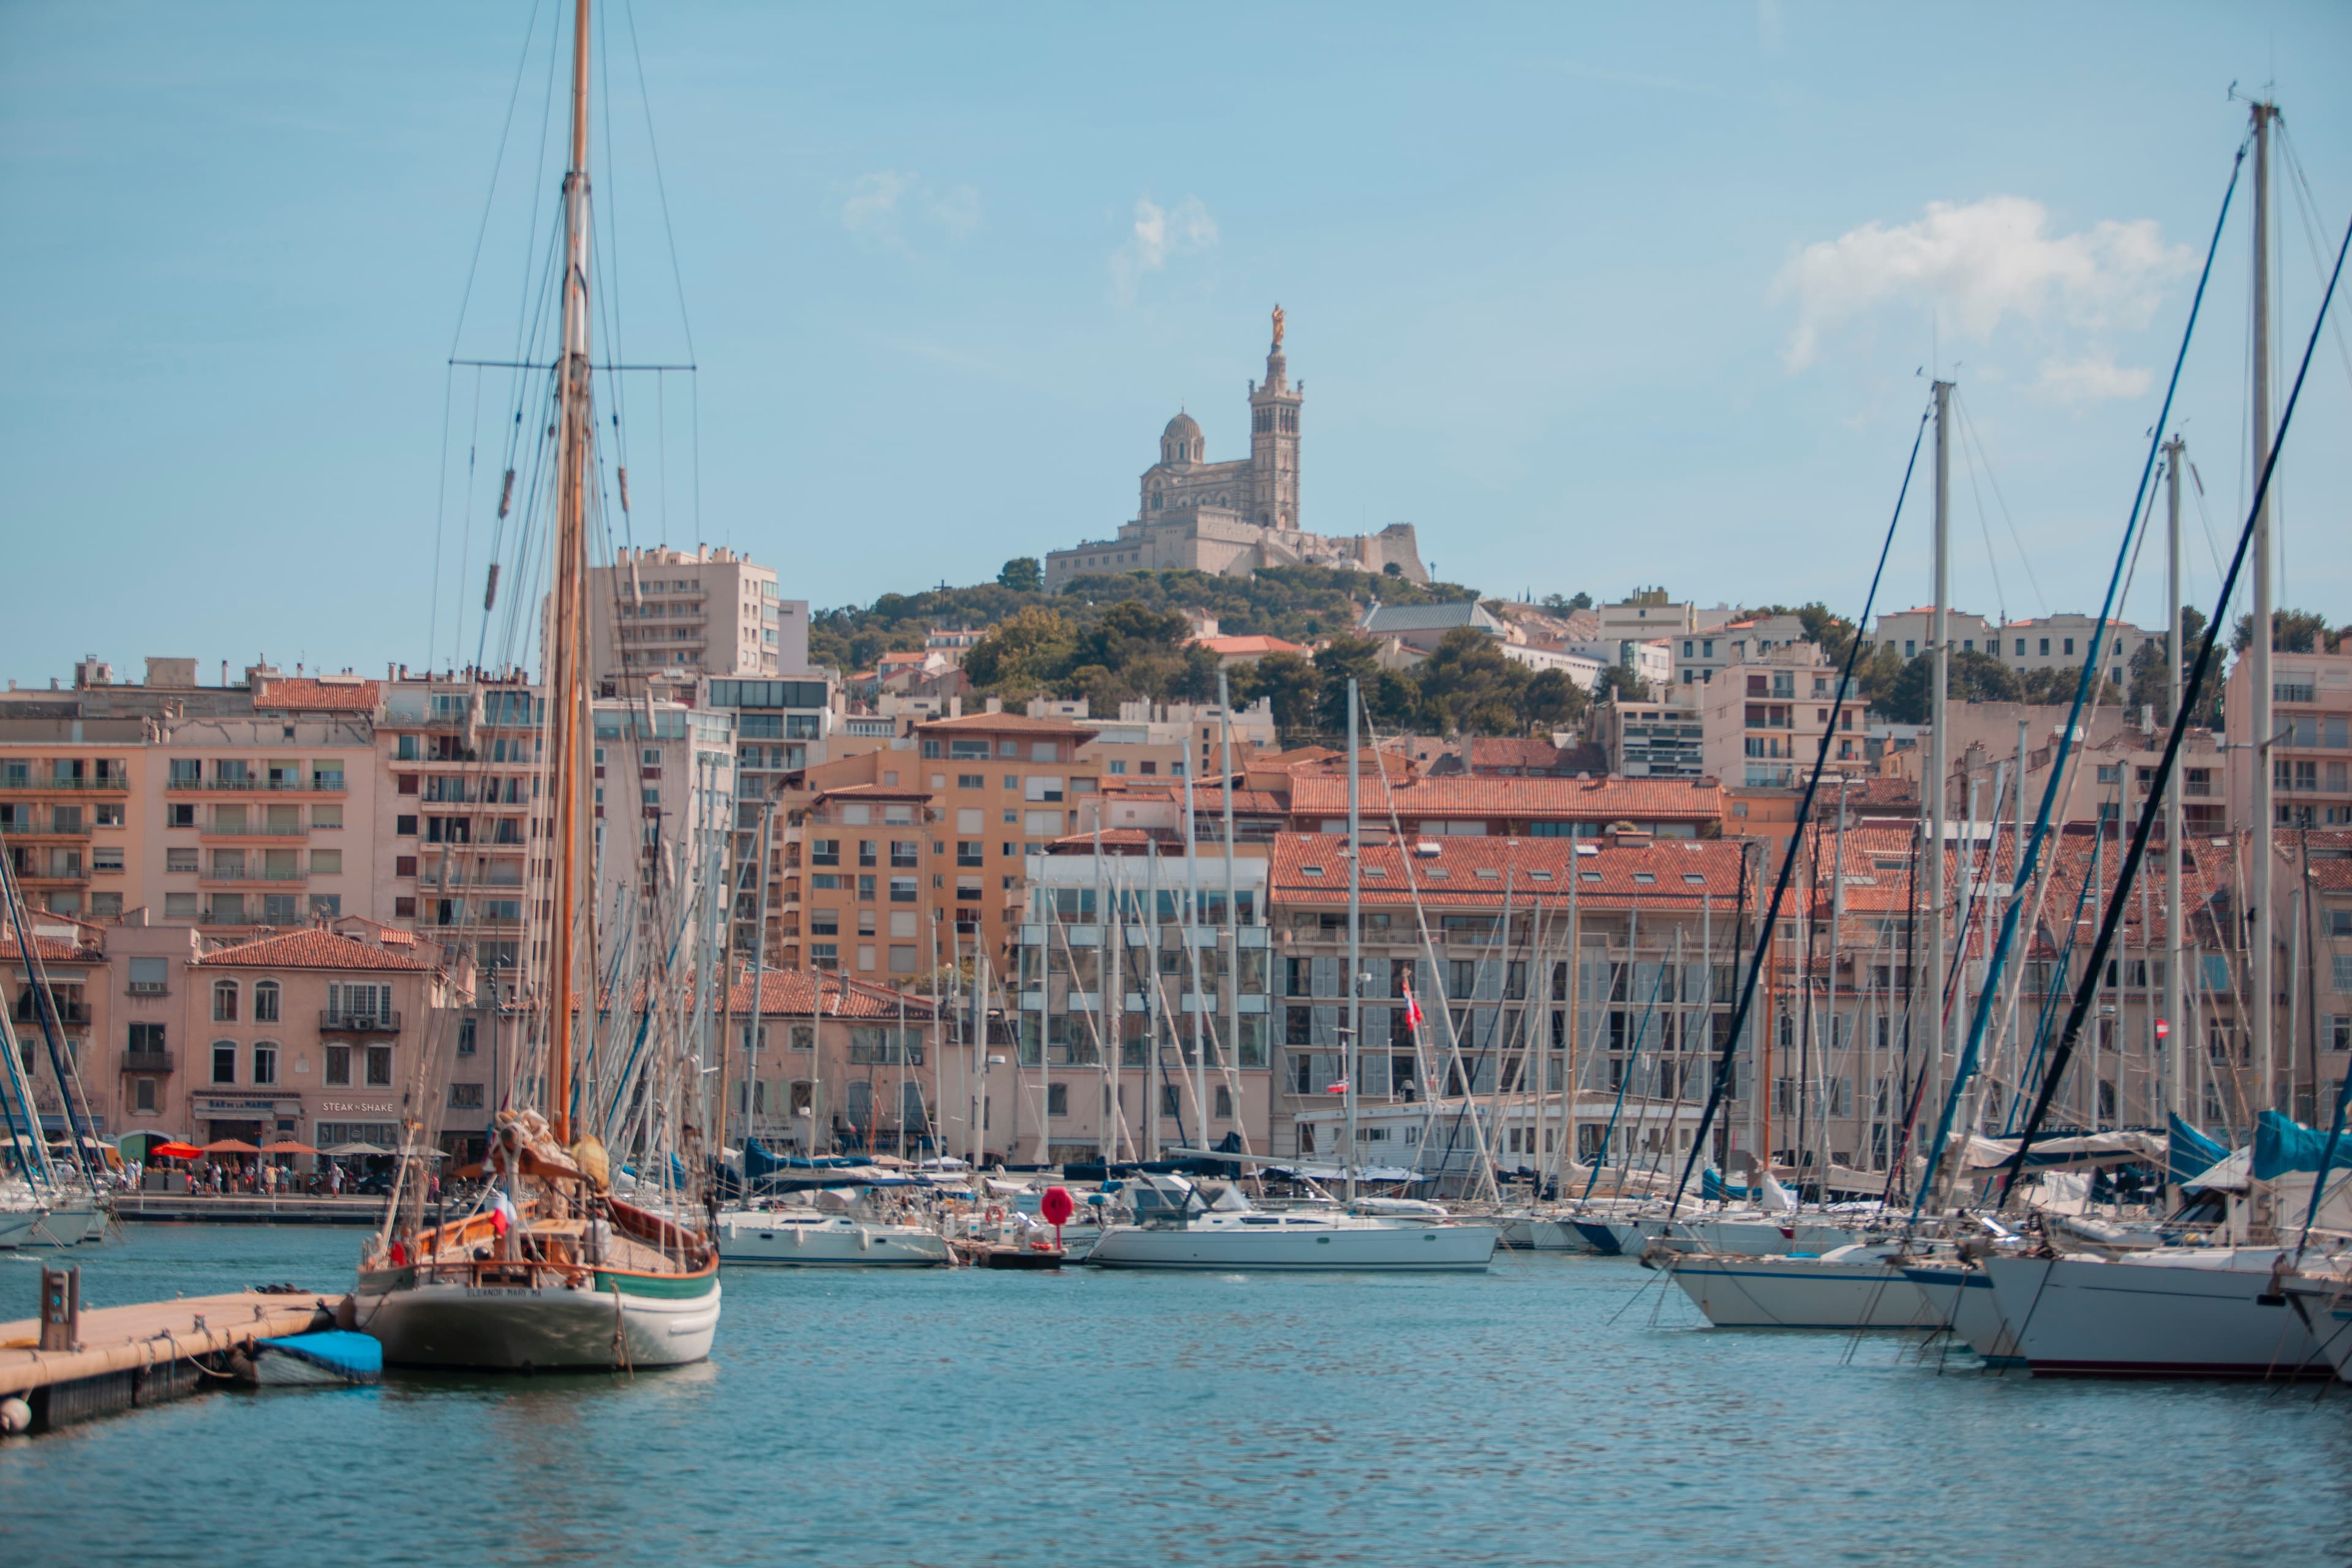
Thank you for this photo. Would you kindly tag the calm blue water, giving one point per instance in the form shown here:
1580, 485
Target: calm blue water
1556, 1410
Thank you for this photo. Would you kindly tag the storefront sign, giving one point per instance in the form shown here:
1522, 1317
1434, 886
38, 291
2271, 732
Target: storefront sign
248, 1107
357, 1108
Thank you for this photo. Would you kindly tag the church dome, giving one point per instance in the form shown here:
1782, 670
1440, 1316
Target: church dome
1182, 442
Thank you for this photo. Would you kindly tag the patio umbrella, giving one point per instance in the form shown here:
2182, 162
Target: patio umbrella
354, 1151
230, 1146
287, 1146
173, 1150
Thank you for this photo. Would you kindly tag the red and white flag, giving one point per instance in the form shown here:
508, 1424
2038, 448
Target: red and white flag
1340, 1088
1411, 1010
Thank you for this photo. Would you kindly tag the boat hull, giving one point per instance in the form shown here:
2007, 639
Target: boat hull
2326, 1308
1961, 1299
620, 1321
1417, 1248
1801, 1294
1538, 1233
20, 1227
768, 1241
2079, 1317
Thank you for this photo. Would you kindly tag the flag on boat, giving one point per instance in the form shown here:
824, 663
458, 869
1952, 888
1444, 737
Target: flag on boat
1411, 1010
1338, 1088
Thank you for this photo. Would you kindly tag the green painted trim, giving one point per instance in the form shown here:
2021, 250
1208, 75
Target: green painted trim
675, 1286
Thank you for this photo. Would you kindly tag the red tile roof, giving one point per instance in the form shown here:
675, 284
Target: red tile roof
304, 694
784, 993
1318, 795
1538, 870
49, 949
311, 950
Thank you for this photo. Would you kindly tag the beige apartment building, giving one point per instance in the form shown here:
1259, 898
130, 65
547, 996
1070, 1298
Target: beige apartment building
841, 1065
72, 958
1761, 724
2311, 754
897, 855
701, 612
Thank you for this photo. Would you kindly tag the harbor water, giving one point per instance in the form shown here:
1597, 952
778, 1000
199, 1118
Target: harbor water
1556, 1410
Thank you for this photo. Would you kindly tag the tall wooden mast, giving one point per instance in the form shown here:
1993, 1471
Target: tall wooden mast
568, 676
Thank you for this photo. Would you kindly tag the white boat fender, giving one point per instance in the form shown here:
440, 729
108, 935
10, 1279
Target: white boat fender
16, 1415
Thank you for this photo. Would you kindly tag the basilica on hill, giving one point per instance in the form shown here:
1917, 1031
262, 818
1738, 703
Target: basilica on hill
1232, 518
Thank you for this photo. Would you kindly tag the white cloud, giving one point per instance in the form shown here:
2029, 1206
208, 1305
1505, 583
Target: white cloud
896, 209
1159, 233
2094, 378
1976, 265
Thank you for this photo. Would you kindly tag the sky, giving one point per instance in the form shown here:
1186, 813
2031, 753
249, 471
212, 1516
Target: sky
1596, 298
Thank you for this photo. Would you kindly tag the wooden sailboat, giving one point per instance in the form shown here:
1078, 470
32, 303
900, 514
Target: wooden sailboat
552, 1270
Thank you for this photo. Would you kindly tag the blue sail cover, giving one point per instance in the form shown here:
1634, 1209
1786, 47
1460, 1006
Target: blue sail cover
760, 1161
1716, 1190
2282, 1146
2191, 1155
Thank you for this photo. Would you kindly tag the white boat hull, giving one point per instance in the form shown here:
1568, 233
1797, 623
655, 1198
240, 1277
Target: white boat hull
533, 1328
1961, 1299
1537, 1233
2153, 1318
826, 1241
1801, 1294
1441, 1248
1756, 1239
20, 1227
2326, 1308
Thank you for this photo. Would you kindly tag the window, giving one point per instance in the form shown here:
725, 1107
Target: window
971, 781
1170, 1104
825, 851
379, 1065
150, 977
405, 826
326, 862
265, 1002
1224, 1103
224, 1061
179, 906
146, 1039
465, 1096
265, 1063
1057, 1099
465, 1036
2045, 647
224, 1001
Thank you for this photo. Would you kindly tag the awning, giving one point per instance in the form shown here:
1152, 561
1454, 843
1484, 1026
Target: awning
2090, 1149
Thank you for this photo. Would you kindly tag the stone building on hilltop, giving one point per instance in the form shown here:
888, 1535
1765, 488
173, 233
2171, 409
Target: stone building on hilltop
1232, 518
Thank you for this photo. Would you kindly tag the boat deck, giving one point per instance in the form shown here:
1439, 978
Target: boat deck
123, 1357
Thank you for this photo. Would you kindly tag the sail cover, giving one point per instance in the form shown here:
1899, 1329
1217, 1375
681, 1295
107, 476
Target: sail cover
2192, 1153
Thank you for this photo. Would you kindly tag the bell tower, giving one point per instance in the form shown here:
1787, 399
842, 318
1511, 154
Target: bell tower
1274, 440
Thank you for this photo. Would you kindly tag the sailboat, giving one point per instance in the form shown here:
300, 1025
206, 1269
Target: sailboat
553, 1270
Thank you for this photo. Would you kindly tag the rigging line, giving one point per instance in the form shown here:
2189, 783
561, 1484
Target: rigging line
539, 184
2307, 209
2086, 687
1975, 436
661, 186
2086, 991
2001, 599
440, 505
497, 165
694, 387
609, 232
1804, 814
466, 545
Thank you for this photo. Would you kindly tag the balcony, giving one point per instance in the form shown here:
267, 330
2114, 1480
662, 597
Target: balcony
147, 1061
68, 873
332, 785
343, 1021
111, 782
27, 830
68, 1013
253, 830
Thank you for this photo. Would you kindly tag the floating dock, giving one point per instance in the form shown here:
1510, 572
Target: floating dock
197, 1208
69, 1364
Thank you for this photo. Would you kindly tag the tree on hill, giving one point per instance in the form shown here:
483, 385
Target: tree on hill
1023, 574
1972, 678
1295, 687
2149, 686
2292, 631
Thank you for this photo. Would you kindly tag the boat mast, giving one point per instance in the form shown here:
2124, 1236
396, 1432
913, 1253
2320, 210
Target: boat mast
1355, 938
568, 676
2257, 904
2175, 1101
1938, 960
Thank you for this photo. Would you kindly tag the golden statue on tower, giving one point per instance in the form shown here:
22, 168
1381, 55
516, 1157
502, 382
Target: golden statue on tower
1277, 328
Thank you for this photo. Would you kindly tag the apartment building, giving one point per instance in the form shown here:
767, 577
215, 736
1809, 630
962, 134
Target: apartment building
1700, 655
1442, 805
1133, 985
1761, 725
1654, 740
706, 611
1643, 921
781, 727
1907, 632
72, 959
2062, 642
2311, 750
956, 807
231, 808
